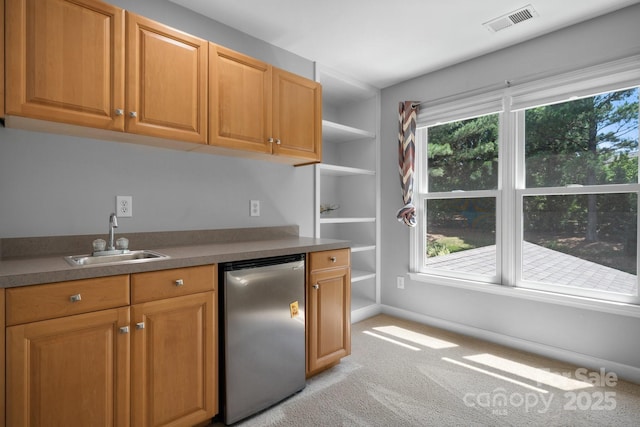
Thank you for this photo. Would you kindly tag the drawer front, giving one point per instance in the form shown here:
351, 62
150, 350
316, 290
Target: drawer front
329, 259
41, 302
156, 285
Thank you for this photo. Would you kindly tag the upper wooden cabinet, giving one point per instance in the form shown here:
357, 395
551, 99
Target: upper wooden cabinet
2, 63
240, 101
259, 108
65, 61
166, 81
297, 116
92, 65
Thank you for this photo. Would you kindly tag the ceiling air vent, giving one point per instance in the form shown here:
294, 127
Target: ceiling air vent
511, 19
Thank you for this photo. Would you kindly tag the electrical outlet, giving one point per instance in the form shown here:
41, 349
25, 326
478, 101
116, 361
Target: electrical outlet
124, 206
254, 208
400, 282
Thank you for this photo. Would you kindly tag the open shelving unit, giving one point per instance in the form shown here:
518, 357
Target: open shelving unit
347, 181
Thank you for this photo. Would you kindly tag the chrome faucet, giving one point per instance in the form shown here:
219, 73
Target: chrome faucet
113, 224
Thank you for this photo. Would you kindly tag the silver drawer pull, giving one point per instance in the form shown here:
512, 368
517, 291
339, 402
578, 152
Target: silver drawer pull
75, 298
124, 330
140, 325
179, 282
316, 286
333, 259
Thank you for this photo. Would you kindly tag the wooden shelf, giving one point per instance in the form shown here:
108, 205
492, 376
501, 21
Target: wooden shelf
335, 132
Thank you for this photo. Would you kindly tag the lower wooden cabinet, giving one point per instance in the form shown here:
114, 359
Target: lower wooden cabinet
328, 309
2, 353
142, 350
70, 371
174, 367
77, 355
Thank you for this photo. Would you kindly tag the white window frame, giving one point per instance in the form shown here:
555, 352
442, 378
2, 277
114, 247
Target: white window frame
511, 102
421, 196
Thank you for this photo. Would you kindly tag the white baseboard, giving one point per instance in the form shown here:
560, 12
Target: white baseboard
365, 312
626, 372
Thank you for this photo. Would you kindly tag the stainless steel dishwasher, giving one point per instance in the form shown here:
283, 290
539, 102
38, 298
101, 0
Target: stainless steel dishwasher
263, 334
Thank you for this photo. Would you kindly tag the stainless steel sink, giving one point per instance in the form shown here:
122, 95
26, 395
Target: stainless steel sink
120, 258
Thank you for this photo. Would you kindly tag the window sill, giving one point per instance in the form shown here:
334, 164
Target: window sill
622, 309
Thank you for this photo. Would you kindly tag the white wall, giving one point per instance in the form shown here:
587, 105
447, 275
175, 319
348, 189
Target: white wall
521, 322
57, 185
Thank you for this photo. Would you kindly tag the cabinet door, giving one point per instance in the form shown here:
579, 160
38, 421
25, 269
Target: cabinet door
174, 358
71, 371
65, 61
2, 79
240, 100
297, 116
2, 355
329, 317
166, 82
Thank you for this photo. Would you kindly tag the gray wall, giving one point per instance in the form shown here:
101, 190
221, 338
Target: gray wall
56, 185
570, 330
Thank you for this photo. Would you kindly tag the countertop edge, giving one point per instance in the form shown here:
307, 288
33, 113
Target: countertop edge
51, 269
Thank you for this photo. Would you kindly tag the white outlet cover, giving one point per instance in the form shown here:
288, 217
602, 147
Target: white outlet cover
254, 209
124, 206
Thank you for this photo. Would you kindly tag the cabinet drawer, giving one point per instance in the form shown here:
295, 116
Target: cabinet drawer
329, 259
156, 285
41, 302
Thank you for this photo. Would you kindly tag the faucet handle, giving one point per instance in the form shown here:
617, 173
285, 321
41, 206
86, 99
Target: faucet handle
99, 245
122, 243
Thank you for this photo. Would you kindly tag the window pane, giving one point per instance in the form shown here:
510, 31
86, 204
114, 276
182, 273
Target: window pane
461, 235
583, 142
463, 155
585, 241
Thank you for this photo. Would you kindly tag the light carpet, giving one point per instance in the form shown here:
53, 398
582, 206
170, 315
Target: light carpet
402, 373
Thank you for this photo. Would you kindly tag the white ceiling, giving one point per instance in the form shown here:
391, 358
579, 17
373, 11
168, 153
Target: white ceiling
383, 42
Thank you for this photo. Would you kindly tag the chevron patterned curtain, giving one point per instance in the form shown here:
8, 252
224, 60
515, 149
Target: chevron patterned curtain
408, 111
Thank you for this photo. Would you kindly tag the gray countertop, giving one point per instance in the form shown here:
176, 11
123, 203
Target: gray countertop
25, 270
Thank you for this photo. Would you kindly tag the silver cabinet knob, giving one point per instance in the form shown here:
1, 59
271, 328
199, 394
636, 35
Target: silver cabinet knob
75, 298
133, 114
179, 282
124, 330
270, 140
316, 286
140, 325
333, 259
119, 111
278, 142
